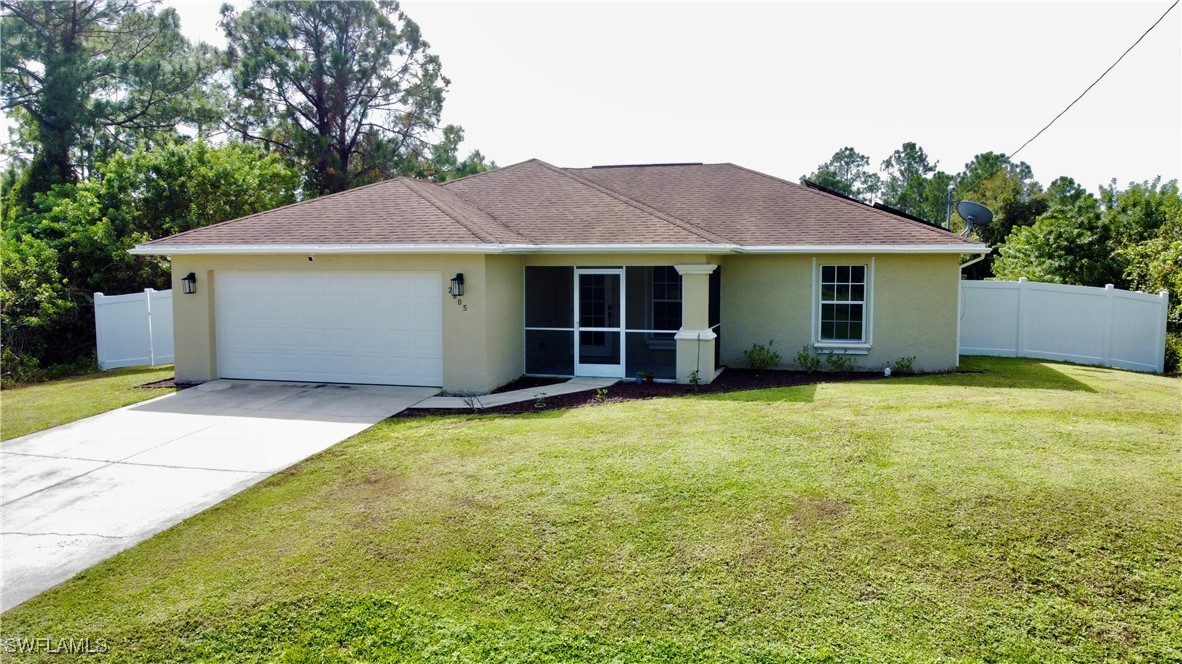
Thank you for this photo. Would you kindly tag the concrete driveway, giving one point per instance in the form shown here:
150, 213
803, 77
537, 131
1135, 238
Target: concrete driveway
76, 494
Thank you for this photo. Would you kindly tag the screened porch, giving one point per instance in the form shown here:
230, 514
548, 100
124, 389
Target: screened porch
605, 321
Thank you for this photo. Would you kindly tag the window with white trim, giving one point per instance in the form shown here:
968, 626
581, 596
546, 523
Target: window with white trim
843, 304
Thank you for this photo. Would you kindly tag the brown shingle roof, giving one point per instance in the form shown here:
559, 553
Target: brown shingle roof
753, 209
395, 211
551, 205
534, 203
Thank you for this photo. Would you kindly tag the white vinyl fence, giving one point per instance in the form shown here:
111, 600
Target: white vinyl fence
133, 330
1103, 326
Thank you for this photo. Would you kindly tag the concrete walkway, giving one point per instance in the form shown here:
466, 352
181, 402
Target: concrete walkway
517, 396
76, 494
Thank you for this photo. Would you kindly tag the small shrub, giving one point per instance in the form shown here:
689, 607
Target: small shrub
26, 369
601, 395
695, 379
20, 369
762, 357
839, 362
540, 400
1173, 353
904, 365
807, 360
472, 401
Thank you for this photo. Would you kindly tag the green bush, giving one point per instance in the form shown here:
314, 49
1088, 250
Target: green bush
23, 369
839, 362
762, 357
904, 365
807, 361
1173, 353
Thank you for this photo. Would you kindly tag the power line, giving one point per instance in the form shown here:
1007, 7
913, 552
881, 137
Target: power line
1081, 96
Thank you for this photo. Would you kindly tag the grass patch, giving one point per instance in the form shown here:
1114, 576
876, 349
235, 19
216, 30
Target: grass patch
40, 406
1026, 511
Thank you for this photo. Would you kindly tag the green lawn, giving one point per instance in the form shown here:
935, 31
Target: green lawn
1020, 511
43, 405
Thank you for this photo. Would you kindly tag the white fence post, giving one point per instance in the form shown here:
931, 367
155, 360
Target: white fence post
1108, 293
98, 328
151, 342
1161, 329
1021, 318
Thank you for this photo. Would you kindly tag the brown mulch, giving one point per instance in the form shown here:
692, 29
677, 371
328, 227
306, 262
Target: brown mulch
730, 380
168, 382
528, 382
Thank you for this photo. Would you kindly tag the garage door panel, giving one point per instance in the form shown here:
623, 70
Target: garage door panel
286, 337
237, 308
343, 342
339, 285
312, 286
336, 311
370, 339
377, 307
383, 328
232, 335
428, 345
314, 337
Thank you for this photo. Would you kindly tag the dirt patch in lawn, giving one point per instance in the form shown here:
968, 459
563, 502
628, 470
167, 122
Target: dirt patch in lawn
731, 380
812, 511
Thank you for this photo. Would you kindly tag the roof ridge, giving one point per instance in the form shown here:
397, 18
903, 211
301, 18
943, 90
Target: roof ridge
479, 207
420, 189
844, 201
458, 218
648, 209
276, 209
652, 165
491, 170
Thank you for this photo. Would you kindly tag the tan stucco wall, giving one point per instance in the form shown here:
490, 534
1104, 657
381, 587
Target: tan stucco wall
914, 307
474, 340
505, 318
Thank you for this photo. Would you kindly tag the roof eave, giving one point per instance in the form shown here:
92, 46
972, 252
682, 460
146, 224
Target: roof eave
254, 249
868, 249
231, 249
639, 248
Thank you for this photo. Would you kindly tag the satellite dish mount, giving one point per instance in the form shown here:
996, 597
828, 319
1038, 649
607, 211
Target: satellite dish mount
974, 214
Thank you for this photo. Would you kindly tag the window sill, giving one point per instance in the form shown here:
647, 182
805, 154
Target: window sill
843, 348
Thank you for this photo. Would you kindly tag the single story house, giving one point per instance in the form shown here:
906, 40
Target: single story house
533, 269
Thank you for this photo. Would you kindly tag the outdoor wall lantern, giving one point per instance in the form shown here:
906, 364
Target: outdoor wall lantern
189, 283
457, 285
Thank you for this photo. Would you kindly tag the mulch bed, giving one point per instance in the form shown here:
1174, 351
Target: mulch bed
529, 382
168, 382
731, 380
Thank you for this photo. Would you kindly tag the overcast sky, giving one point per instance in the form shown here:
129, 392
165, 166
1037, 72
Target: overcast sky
779, 87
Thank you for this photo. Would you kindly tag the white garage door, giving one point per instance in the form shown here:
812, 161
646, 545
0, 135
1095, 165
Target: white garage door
382, 328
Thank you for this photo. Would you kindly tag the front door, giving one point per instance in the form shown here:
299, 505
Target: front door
599, 322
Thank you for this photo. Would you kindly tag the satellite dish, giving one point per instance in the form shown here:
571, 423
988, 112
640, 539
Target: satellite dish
974, 213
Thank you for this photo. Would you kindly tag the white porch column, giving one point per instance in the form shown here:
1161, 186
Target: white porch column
695, 339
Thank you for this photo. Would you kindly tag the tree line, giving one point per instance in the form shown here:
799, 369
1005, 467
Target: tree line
1130, 237
126, 131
